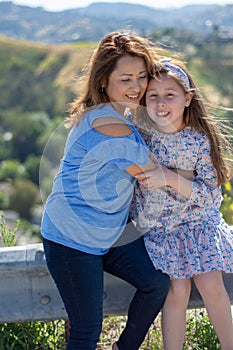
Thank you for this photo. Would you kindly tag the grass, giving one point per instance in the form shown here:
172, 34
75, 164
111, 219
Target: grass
200, 334
51, 335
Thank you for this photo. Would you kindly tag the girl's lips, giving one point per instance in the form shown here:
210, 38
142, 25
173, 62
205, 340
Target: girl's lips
163, 114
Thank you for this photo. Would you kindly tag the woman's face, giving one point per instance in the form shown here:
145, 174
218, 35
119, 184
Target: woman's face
165, 102
128, 82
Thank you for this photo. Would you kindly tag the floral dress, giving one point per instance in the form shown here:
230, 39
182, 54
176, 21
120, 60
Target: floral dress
184, 237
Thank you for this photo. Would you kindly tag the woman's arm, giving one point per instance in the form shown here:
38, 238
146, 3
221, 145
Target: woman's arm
112, 126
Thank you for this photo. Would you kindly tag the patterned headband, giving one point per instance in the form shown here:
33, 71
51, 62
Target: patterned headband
176, 70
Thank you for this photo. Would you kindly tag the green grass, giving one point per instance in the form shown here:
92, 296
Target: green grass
52, 336
200, 334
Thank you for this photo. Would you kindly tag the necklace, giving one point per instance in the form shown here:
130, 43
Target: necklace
128, 114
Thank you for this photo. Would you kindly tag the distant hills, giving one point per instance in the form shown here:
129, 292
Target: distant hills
94, 21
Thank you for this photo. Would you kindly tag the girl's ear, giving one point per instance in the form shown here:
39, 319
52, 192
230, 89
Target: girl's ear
188, 99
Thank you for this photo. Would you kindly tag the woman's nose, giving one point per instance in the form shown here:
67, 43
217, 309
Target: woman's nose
136, 86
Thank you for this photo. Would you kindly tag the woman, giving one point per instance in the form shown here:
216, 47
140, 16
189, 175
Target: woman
88, 208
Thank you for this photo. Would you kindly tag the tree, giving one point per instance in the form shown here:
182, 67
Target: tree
32, 166
26, 129
23, 196
11, 169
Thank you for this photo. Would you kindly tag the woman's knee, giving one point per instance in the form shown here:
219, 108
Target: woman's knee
158, 284
164, 283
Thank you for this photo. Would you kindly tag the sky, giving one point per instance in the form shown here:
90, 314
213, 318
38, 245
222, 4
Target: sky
59, 5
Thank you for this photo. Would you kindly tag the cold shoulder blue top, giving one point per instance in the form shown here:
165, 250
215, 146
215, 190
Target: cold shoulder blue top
89, 203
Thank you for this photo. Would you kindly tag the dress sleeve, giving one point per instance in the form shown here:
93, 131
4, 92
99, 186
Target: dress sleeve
205, 188
144, 134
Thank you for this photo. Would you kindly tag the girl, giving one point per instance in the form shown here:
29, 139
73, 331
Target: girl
177, 206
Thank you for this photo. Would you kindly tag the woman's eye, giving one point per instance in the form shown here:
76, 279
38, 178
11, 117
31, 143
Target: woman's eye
125, 80
143, 77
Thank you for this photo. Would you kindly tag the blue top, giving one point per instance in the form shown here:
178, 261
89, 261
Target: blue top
89, 203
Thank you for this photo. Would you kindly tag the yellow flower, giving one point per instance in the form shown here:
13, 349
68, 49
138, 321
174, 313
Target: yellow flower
228, 186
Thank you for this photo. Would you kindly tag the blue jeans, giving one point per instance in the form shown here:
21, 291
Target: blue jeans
79, 279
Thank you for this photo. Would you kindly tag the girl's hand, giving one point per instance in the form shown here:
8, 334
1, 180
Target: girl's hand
162, 176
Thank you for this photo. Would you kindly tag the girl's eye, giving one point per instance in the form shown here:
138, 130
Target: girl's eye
143, 77
125, 80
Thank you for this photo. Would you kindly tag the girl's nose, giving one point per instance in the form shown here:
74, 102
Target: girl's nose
160, 101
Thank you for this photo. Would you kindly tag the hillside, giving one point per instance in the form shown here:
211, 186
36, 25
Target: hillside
95, 20
41, 77
37, 77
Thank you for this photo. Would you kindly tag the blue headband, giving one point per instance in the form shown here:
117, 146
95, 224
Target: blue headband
176, 70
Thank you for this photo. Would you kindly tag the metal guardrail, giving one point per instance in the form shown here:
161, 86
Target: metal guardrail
28, 293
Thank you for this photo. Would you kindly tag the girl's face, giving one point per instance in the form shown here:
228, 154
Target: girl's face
165, 102
128, 82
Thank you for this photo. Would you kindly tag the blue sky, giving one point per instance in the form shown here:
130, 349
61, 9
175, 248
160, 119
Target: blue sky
58, 5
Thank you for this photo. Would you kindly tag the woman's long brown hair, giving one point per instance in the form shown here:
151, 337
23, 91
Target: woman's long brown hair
102, 63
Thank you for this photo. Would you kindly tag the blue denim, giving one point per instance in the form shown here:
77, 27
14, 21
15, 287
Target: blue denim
79, 279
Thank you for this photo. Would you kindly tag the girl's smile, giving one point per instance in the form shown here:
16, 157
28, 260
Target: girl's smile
166, 101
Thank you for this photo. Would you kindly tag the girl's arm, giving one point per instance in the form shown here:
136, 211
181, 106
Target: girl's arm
201, 187
205, 188
162, 176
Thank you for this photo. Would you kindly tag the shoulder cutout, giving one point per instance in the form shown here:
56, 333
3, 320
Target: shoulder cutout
111, 126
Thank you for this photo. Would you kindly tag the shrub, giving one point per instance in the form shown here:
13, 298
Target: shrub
23, 196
